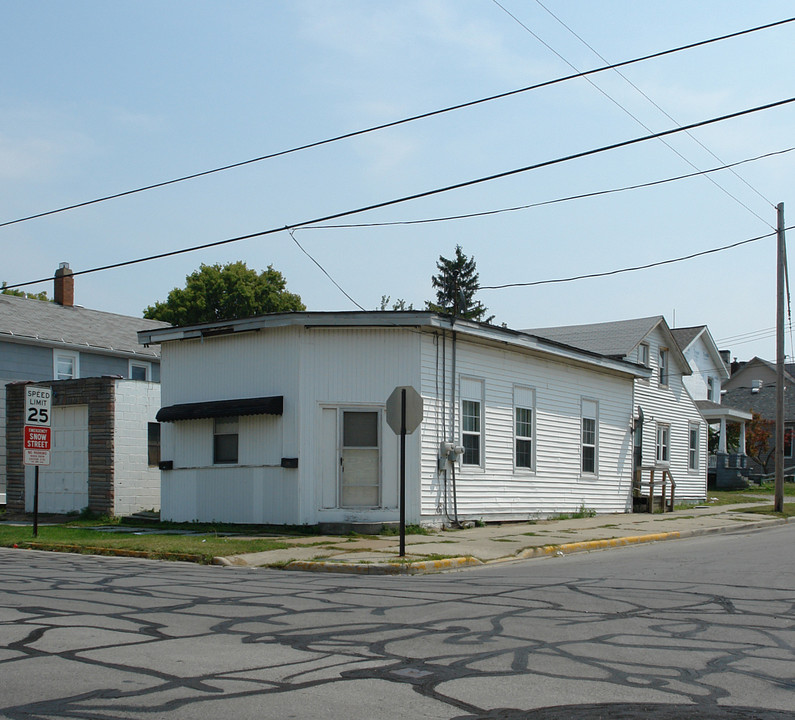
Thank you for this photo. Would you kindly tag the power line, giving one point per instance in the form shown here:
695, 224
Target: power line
630, 269
626, 110
664, 112
323, 270
426, 193
568, 198
733, 338
403, 121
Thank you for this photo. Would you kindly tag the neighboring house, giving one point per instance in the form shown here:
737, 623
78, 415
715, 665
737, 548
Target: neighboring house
105, 448
756, 373
705, 385
58, 340
281, 419
755, 396
671, 434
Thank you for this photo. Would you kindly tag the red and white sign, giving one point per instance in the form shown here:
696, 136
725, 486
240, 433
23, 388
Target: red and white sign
37, 441
37, 445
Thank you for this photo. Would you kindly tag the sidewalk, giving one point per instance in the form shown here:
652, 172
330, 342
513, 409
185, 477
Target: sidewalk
455, 549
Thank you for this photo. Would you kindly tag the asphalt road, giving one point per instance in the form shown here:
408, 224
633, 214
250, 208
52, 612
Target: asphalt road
698, 628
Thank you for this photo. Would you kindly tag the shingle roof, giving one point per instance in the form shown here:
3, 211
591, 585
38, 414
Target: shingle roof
38, 320
615, 339
685, 336
763, 401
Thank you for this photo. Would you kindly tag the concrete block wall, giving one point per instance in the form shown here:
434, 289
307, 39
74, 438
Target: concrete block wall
136, 483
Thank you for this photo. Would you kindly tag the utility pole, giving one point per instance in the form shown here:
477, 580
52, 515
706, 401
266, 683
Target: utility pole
781, 254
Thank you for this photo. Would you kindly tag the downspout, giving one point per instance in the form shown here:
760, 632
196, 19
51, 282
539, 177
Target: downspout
452, 422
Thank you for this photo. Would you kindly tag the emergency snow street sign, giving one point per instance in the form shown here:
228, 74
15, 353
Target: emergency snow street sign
37, 435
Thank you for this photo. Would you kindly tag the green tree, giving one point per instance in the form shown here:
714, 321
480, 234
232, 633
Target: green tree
19, 293
399, 304
225, 292
456, 285
759, 440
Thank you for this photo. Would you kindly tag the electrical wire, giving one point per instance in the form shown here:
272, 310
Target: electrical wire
596, 193
664, 112
395, 123
629, 269
627, 111
323, 270
423, 194
742, 336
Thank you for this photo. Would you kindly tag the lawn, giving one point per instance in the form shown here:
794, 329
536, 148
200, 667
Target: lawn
199, 546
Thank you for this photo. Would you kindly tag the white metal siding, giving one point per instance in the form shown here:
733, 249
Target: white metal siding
354, 368
498, 490
257, 488
671, 405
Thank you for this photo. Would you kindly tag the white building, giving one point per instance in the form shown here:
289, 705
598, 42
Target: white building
280, 419
710, 373
671, 431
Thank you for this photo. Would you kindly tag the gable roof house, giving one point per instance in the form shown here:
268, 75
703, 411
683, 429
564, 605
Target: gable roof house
705, 385
757, 372
282, 419
755, 395
42, 340
670, 432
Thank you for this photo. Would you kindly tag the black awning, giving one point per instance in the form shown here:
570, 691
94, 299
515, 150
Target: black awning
222, 408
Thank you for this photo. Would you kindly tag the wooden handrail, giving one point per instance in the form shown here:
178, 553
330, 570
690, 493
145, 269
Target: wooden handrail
666, 477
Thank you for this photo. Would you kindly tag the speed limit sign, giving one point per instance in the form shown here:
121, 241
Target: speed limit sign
37, 443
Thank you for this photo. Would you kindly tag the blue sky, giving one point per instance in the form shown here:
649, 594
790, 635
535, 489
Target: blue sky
100, 97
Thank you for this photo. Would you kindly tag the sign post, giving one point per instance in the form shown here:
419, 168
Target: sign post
37, 438
403, 415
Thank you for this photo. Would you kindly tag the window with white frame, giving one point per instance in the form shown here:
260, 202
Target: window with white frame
663, 443
472, 421
225, 434
65, 365
524, 411
589, 436
643, 354
663, 366
711, 389
140, 370
692, 448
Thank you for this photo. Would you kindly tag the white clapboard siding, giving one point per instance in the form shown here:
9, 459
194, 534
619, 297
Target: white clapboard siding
673, 406
498, 490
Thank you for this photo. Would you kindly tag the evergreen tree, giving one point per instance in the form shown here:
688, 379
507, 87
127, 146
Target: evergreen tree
456, 285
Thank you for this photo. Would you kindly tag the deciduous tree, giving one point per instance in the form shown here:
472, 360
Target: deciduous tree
20, 293
225, 292
759, 442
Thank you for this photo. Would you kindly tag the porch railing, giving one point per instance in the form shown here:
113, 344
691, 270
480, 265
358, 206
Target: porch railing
648, 490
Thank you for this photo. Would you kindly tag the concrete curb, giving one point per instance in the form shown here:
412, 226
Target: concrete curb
436, 566
397, 568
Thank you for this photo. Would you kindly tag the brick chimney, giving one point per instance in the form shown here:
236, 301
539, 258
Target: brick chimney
64, 286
